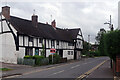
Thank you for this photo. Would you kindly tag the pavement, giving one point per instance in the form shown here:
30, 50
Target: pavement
103, 71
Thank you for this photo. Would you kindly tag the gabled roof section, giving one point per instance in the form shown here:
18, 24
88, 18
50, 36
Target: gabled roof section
24, 26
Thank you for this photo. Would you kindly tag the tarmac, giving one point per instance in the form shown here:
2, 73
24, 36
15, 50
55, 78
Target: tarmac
104, 71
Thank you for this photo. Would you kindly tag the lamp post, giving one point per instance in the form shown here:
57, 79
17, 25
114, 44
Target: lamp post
110, 24
111, 29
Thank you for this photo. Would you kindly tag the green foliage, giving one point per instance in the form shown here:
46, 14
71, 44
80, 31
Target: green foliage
43, 50
28, 57
94, 53
100, 34
102, 48
56, 58
38, 59
112, 43
5, 69
85, 48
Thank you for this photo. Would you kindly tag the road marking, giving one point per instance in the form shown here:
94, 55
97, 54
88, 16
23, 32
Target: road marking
75, 66
59, 72
40, 70
56, 73
90, 71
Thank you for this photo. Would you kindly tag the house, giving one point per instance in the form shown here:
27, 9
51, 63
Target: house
22, 37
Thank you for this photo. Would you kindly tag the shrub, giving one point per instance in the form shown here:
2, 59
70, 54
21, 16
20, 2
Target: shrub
56, 58
38, 59
28, 57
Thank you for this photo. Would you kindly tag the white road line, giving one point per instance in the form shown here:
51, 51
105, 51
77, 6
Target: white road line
59, 72
56, 73
75, 66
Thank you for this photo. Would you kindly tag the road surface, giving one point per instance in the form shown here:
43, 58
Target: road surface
68, 70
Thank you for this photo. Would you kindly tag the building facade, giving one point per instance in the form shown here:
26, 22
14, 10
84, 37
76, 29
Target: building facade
20, 37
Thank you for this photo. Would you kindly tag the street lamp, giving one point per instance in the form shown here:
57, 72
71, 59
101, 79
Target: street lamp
110, 24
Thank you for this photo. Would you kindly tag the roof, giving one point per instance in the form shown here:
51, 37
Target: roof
24, 26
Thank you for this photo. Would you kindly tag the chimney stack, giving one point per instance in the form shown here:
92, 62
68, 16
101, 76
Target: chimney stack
6, 12
53, 23
34, 20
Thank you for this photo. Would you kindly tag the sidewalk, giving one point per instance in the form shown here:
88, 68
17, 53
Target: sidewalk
104, 71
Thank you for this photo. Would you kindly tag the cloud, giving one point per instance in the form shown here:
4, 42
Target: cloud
85, 14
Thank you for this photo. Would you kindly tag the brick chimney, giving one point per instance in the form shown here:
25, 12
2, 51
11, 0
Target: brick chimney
34, 20
6, 12
53, 23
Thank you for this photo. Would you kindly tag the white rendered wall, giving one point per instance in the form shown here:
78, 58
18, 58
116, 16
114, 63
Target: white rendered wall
9, 54
21, 52
47, 52
7, 45
65, 54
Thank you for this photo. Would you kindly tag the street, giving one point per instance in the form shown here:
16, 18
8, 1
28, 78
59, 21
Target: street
72, 70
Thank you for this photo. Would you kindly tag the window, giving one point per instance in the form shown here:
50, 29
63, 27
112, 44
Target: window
40, 40
29, 51
30, 39
68, 52
70, 44
71, 52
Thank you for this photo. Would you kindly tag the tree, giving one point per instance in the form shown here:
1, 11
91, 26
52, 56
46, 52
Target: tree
100, 39
85, 48
99, 35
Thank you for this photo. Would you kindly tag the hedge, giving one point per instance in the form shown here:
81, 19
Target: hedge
112, 43
39, 60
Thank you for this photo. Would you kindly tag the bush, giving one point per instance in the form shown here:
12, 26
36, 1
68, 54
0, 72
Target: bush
28, 57
56, 58
38, 59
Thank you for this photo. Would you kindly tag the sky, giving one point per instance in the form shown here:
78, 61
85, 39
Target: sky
89, 15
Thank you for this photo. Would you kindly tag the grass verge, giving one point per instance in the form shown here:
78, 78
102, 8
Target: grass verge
5, 69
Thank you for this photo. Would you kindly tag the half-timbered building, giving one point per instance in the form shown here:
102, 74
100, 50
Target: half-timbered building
20, 37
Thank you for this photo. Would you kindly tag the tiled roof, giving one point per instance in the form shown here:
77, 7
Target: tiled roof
24, 26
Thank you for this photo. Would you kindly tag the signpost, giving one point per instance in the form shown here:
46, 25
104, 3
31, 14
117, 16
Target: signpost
52, 51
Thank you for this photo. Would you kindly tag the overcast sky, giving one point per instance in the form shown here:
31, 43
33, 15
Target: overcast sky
89, 15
